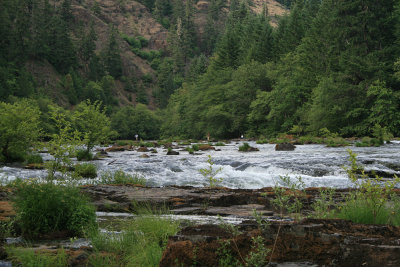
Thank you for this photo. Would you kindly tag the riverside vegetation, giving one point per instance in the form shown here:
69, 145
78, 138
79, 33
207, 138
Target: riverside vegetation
228, 74
318, 73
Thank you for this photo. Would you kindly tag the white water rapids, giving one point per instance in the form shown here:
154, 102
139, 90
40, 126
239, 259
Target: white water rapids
318, 165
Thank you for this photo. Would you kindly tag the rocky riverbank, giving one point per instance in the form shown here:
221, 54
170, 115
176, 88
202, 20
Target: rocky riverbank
309, 242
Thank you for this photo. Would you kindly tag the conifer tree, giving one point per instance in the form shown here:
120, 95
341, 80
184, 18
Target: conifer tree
112, 57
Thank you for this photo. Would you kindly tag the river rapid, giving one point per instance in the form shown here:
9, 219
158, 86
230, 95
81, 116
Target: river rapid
317, 165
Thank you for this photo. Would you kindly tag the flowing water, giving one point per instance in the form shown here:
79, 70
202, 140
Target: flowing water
318, 165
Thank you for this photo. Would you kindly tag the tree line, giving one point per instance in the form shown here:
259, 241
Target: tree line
329, 64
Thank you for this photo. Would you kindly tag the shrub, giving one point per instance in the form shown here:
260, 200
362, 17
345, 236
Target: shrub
195, 147
336, 142
83, 154
141, 243
262, 141
19, 129
28, 257
210, 173
33, 158
146, 144
123, 142
370, 203
86, 170
220, 144
244, 147
120, 177
45, 208
190, 150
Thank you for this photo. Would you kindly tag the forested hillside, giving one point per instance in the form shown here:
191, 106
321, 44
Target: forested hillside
329, 64
185, 68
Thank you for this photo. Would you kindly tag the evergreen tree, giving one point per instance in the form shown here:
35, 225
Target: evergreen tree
112, 57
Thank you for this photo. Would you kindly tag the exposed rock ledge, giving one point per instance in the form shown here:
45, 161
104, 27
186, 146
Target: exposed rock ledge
307, 243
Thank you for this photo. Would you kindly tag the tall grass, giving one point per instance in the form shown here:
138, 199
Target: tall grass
121, 177
140, 243
27, 257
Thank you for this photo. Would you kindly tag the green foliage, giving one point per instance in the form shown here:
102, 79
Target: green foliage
120, 177
371, 202
141, 243
258, 255
112, 57
62, 144
83, 154
29, 257
85, 170
210, 173
19, 129
336, 142
45, 208
220, 144
245, 147
195, 147
33, 158
92, 122
288, 198
324, 204
129, 121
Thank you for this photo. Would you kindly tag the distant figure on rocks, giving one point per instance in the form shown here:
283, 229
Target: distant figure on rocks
136, 136
208, 136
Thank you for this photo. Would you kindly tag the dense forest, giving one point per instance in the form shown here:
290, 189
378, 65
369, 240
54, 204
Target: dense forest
328, 64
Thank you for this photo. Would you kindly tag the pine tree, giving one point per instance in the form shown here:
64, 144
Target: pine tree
112, 57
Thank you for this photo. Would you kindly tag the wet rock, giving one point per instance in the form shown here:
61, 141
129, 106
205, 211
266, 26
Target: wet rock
206, 147
145, 156
172, 152
143, 149
167, 145
118, 148
284, 147
238, 210
153, 151
6, 210
311, 242
34, 166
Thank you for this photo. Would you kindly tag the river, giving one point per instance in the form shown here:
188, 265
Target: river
318, 165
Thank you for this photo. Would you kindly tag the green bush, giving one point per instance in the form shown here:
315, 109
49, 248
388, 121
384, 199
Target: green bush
28, 257
19, 129
146, 144
195, 147
368, 141
120, 177
262, 141
86, 170
45, 208
123, 142
245, 147
33, 158
141, 243
83, 154
190, 150
374, 201
220, 144
336, 142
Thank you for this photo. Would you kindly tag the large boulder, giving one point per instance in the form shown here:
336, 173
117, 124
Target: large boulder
143, 149
118, 148
285, 147
172, 152
206, 147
